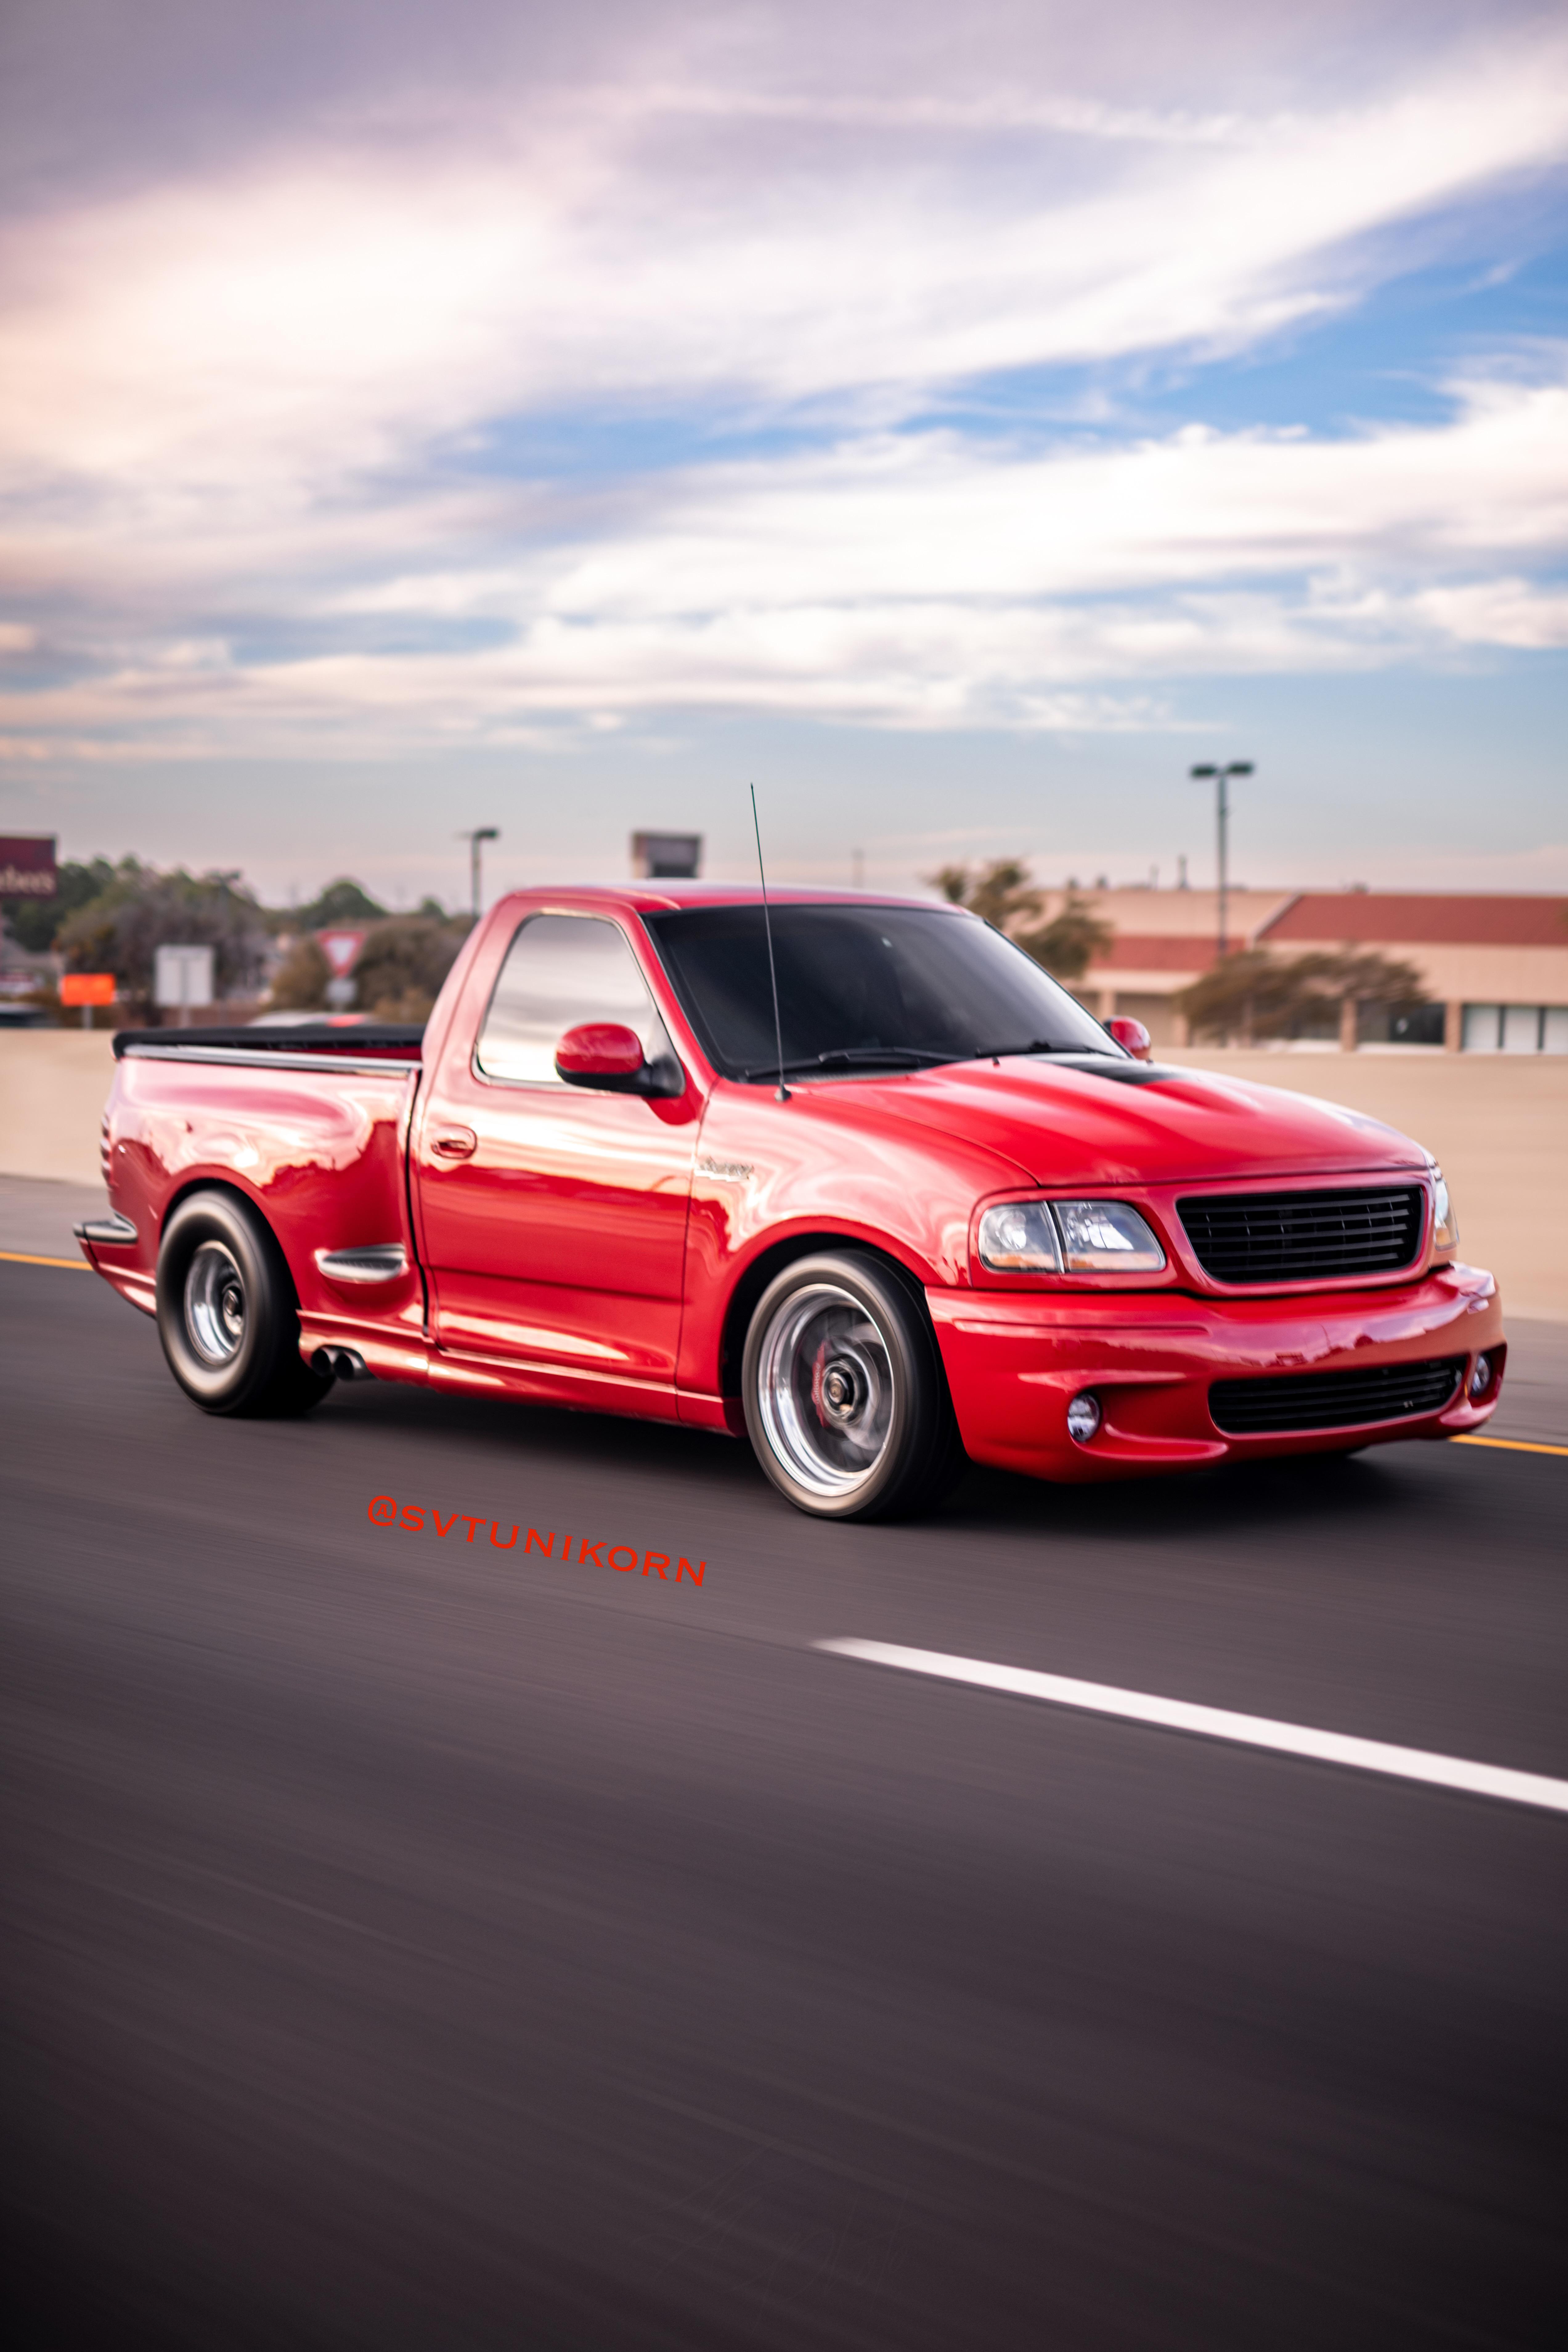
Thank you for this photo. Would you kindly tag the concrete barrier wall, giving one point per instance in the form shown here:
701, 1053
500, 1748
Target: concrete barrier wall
54, 1083
1499, 1124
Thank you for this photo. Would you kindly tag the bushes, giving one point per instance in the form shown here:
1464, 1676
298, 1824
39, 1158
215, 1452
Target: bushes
404, 962
300, 985
1253, 994
398, 976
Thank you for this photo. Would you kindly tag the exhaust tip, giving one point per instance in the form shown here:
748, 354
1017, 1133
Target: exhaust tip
340, 1364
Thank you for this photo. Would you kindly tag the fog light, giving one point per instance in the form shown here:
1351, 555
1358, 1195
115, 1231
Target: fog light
1083, 1417
1481, 1378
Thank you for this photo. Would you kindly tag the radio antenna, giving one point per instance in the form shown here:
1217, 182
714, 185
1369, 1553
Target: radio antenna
773, 967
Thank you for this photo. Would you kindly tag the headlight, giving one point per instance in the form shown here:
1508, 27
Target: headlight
1106, 1237
1445, 1224
1067, 1236
1019, 1238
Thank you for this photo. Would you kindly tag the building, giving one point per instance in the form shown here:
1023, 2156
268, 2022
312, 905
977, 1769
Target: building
673, 856
1161, 941
1497, 966
1494, 967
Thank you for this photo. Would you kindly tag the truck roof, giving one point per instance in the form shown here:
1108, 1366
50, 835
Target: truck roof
658, 897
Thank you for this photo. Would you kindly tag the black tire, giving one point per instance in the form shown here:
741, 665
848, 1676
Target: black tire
846, 1400
228, 1314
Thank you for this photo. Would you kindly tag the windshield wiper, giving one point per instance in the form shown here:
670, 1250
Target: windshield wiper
896, 1057
1036, 1046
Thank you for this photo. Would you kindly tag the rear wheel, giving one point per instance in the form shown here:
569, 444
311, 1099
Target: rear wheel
228, 1314
846, 1402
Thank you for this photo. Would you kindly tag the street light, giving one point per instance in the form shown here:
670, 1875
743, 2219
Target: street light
481, 832
1222, 777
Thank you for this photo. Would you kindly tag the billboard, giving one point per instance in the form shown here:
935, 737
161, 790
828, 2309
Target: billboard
27, 865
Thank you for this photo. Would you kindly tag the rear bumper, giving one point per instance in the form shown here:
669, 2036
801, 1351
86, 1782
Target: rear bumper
110, 1246
1014, 1364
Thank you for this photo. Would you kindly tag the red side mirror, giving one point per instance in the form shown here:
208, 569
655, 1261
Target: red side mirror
1133, 1037
597, 1050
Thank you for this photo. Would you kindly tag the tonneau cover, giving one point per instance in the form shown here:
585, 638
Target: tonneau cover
366, 1039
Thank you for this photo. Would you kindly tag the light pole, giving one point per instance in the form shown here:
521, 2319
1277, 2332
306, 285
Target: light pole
1222, 777
481, 832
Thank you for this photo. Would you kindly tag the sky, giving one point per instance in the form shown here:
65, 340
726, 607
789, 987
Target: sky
957, 422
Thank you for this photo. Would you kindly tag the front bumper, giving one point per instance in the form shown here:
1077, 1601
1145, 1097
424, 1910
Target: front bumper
1015, 1364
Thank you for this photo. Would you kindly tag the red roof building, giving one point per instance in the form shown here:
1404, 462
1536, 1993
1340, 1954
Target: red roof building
1494, 966
1417, 918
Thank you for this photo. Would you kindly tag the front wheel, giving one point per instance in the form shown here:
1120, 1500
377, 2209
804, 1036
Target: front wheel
228, 1314
845, 1402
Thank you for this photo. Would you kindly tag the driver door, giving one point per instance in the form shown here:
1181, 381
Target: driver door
555, 1215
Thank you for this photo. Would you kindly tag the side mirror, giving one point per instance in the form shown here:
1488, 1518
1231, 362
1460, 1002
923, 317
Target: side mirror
601, 1055
1133, 1037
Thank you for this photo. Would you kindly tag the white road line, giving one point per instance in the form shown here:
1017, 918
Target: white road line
1221, 1723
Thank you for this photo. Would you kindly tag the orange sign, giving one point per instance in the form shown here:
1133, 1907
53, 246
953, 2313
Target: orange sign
86, 988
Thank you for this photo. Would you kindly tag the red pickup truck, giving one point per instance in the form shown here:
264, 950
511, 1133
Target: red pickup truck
937, 1212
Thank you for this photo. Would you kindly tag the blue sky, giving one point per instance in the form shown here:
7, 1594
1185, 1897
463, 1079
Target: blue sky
958, 430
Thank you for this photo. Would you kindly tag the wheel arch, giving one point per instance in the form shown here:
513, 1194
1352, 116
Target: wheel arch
189, 1185
772, 1261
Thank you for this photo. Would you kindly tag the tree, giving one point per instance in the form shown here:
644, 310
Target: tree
141, 910
998, 893
1002, 893
33, 923
403, 963
299, 983
341, 903
1254, 994
1071, 941
398, 975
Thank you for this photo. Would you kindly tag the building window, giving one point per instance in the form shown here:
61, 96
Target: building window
1516, 1029
1399, 1024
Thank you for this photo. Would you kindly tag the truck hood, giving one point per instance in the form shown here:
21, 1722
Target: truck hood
1104, 1122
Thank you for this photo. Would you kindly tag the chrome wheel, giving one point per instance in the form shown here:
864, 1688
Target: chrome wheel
215, 1304
825, 1390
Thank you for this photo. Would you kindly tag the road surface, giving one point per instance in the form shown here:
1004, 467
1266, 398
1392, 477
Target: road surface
409, 1941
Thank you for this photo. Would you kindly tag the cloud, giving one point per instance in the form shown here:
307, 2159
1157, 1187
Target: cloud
254, 412
324, 313
902, 581
1499, 612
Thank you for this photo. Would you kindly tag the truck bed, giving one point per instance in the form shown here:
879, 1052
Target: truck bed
355, 1041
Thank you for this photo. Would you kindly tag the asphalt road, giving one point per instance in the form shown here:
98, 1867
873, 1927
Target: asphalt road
410, 1942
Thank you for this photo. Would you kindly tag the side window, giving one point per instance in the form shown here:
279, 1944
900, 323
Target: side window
560, 970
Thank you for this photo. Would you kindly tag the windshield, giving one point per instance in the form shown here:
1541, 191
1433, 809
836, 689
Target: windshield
863, 988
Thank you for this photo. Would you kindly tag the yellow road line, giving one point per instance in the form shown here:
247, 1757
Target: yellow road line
24, 1257
1512, 1444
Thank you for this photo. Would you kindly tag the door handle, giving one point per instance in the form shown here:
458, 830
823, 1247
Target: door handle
455, 1143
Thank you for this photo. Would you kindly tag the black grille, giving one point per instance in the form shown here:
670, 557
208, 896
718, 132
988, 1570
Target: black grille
1295, 1236
1334, 1400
